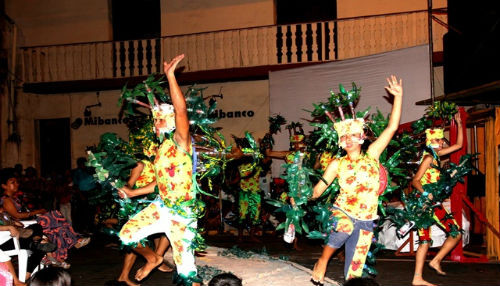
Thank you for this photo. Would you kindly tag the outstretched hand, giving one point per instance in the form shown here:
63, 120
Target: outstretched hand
125, 192
395, 88
458, 118
170, 67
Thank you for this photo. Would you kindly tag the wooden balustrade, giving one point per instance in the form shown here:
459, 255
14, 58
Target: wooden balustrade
260, 46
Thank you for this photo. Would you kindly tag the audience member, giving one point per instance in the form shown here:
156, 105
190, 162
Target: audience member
51, 276
225, 279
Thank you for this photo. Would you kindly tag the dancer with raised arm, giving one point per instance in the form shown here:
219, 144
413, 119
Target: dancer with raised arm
172, 212
358, 173
428, 174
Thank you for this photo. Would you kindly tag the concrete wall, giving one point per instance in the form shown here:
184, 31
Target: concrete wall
237, 97
194, 16
34, 107
49, 22
356, 8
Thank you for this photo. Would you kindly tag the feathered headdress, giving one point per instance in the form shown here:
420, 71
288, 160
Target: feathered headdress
343, 99
152, 90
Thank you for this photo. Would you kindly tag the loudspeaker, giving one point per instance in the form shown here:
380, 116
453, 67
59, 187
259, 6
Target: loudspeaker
472, 44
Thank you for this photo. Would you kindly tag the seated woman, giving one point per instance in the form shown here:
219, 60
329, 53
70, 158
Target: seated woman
54, 225
29, 238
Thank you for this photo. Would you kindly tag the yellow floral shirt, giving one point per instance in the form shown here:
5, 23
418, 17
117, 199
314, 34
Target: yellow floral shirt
431, 175
359, 183
147, 174
290, 156
174, 169
249, 182
325, 159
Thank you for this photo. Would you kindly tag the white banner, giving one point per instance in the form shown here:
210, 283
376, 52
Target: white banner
293, 90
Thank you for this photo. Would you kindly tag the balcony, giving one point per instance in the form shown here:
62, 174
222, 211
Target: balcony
251, 48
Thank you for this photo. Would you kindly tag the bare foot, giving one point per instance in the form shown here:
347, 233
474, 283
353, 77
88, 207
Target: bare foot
165, 268
318, 273
437, 267
170, 67
128, 281
419, 281
144, 271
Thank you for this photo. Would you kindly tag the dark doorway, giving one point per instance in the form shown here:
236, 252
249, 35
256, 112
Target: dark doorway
133, 20
136, 20
300, 11
55, 146
315, 12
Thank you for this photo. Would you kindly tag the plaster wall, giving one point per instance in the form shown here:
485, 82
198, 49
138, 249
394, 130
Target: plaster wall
186, 17
237, 97
51, 22
357, 8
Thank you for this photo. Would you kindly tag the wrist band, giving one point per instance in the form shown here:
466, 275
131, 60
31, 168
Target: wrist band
425, 194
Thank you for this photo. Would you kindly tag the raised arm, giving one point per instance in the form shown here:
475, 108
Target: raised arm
329, 175
458, 145
181, 135
396, 89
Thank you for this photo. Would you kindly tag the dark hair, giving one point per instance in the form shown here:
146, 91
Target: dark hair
6, 174
81, 161
225, 279
51, 276
361, 281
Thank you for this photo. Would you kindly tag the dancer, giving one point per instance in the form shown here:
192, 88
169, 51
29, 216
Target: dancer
172, 213
427, 174
356, 205
249, 195
298, 147
142, 175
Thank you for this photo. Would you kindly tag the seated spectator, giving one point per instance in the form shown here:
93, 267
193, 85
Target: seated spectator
51, 276
54, 225
7, 271
29, 238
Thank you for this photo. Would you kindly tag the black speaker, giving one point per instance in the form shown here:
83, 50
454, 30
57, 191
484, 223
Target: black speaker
472, 44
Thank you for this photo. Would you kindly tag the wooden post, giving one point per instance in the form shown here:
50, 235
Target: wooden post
459, 190
492, 135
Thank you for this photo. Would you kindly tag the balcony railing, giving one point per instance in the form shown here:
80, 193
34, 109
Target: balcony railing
261, 46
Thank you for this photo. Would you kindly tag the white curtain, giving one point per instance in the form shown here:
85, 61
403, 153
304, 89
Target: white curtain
293, 90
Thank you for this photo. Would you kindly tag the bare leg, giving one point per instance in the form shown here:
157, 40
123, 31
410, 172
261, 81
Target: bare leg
448, 245
153, 260
320, 266
419, 265
162, 245
128, 262
240, 233
296, 244
12, 272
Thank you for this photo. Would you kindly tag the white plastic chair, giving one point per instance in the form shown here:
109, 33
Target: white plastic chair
22, 254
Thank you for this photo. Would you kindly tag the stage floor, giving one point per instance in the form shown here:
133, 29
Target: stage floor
96, 264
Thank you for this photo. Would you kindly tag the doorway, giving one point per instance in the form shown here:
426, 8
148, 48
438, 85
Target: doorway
54, 145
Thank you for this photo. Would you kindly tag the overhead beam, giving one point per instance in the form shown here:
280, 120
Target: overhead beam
483, 94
